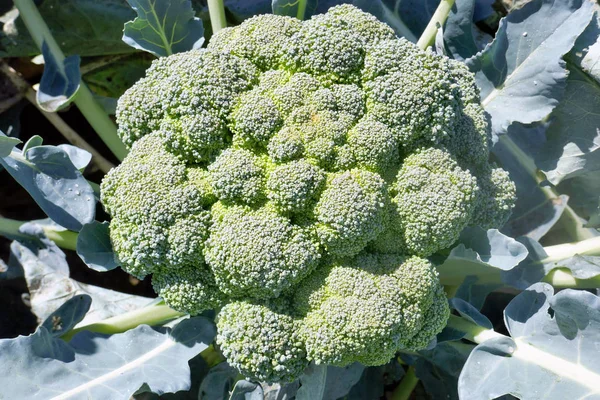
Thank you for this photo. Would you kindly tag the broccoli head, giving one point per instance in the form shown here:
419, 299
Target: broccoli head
309, 163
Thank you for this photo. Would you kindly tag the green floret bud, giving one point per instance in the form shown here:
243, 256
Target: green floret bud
261, 39
158, 214
184, 84
196, 138
237, 175
388, 57
496, 199
332, 46
286, 145
418, 100
294, 92
189, 289
295, 186
371, 145
258, 254
435, 200
351, 212
470, 141
367, 308
261, 341
254, 120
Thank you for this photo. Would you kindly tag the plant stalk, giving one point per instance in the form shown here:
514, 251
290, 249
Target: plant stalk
84, 100
216, 10
301, 9
152, 315
438, 19
473, 332
63, 238
406, 385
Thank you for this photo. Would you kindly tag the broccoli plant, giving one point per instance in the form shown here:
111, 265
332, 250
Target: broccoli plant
323, 199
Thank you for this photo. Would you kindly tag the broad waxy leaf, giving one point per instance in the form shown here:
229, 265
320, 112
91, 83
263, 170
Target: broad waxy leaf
94, 247
57, 186
218, 383
164, 27
46, 272
322, 382
245, 390
546, 356
482, 254
521, 74
536, 210
373, 381
104, 367
68, 315
458, 33
79, 157
60, 81
7, 144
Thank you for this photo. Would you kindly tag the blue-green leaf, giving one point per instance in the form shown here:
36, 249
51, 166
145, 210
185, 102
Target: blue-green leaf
7, 144
68, 315
164, 27
60, 81
521, 74
79, 157
93, 365
458, 32
549, 355
482, 254
322, 382
57, 186
470, 313
218, 382
94, 247
33, 141
246, 390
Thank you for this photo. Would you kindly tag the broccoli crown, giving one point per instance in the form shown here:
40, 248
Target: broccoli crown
258, 163
368, 307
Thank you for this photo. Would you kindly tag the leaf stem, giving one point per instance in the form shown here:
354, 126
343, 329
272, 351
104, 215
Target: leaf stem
91, 110
473, 332
301, 9
62, 237
216, 11
156, 314
406, 385
438, 19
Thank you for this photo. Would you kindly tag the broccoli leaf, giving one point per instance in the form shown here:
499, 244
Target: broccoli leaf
101, 366
60, 81
537, 209
7, 144
527, 49
482, 254
458, 33
547, 356
57, 186
164, 27
46, 273
94, 247
245, 390
68, 315
322, 382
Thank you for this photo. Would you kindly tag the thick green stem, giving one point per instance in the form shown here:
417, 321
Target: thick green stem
438, 19
91, 110
216, 11
406, 386
152, 315
473, 332
63, 238
212, 356
301, 9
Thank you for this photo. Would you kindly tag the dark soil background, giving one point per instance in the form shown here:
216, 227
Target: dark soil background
15, 317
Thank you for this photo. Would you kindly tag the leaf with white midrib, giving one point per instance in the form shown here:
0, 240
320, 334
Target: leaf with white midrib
548, 356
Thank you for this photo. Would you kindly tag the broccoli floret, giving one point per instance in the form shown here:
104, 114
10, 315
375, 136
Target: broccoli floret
367, 308
261, 341
306, 160
258, 254
434, 201
189, 289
